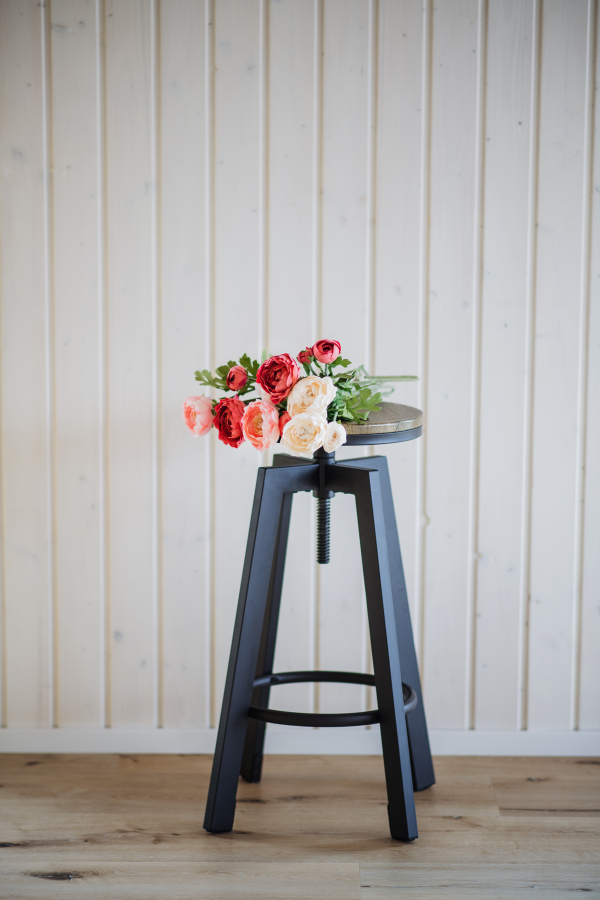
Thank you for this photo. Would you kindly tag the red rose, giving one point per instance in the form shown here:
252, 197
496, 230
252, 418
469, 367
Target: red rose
236, 378
326, 351
277, 376
284, 418
305, 355
228, 420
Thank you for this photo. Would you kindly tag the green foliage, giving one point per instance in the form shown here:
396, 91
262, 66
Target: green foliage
341, 362
210, 380
251, 365
357, 392
354, 402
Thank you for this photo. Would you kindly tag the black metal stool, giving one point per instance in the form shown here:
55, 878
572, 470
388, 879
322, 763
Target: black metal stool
245, 712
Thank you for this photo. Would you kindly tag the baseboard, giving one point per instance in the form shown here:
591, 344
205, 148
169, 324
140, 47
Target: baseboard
296, 740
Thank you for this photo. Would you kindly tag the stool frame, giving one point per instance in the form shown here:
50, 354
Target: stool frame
241, 734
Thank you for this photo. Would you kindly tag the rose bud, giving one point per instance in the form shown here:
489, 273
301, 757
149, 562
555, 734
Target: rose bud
260, 424
284, 418
198, 414
326, 351
228, 420
237, 378
305, 356
334, 438
277, 376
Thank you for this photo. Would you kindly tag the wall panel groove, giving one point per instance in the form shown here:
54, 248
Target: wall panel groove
530, 323
475, 423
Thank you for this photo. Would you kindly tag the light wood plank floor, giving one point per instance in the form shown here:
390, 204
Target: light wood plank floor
316, 827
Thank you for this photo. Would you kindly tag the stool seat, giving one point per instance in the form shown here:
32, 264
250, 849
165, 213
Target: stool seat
392, 423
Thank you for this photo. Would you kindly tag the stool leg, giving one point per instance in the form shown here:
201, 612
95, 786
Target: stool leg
272, 485
386, 658
266, 512
418, 738
252, 759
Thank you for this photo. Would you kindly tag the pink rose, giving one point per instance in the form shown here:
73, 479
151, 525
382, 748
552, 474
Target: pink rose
305, 355
228, 420
284, 418
277, 376
260, 424
198, 414
326, 351
236, 378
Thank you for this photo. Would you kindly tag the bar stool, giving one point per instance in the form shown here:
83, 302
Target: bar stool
400, 713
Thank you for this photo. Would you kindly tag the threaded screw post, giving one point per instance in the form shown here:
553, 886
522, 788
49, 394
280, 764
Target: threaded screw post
323, 512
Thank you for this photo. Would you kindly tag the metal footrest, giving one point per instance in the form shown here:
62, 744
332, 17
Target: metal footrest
323, 720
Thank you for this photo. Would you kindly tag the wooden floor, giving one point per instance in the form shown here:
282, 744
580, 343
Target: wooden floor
131, 826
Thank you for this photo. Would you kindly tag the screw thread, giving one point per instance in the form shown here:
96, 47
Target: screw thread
323, 530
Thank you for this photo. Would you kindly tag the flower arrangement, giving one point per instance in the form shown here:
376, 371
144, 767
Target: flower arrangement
301, 402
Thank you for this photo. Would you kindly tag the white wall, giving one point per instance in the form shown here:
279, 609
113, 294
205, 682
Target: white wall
181, 182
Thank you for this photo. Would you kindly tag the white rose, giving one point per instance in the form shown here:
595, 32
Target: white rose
334, 438
304, 434
311, 394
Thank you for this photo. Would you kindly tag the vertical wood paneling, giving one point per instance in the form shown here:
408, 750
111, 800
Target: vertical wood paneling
397, 260
25, 450
346, 178
77, 364
583, 361
589, 661
184, 342
561, 179
181, 182
130, 196
237, 282
454, 69
290, 276
507, 137
422, 333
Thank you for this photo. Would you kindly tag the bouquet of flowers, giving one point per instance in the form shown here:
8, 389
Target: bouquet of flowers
301, 402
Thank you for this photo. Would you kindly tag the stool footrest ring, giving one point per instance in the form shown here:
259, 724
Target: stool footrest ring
323, 720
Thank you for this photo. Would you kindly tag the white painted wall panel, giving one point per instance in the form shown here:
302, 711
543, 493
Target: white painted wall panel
345, 311
181, 181
558, 274
78, 357
185, 334
131, 316
26, 398
238, 322
504, 298
453, 156
396, 265
292, 293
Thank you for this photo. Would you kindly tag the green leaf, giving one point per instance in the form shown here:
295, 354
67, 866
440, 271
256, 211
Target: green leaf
245, 361
390, 378
341, 362
264, 355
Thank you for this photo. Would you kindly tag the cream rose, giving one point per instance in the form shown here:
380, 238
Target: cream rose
334, 437
311, 394
304, 434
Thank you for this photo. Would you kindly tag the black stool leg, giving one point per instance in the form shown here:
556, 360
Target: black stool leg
418, 738
252, 758
386, 658
271, 485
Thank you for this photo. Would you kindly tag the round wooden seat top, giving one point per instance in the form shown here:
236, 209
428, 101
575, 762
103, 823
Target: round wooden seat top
393, 422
